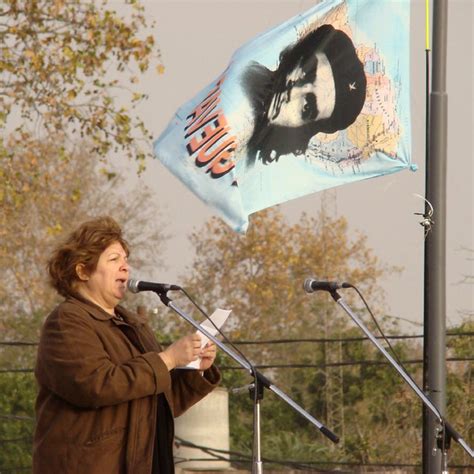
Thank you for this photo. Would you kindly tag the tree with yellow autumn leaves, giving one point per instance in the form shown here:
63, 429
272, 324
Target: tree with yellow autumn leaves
62, 66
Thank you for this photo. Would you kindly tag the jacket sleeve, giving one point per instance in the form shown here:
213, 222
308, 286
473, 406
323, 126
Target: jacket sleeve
189, 386
74, 365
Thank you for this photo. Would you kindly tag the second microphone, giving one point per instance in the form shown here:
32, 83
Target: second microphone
135, 286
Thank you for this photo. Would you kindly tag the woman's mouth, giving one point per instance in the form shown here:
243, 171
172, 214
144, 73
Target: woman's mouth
122, 282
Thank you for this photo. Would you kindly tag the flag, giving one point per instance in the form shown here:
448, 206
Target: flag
318, 101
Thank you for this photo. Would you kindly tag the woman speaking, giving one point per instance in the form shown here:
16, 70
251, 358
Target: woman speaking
107, 391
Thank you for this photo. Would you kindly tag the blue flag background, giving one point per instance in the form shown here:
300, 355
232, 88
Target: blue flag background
319, 101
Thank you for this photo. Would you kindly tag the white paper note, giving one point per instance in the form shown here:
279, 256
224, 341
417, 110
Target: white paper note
218, 317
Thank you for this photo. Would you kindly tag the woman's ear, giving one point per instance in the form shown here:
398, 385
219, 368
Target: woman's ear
81, 272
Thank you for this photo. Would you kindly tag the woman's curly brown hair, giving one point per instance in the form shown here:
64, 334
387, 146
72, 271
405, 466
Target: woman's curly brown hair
84, 245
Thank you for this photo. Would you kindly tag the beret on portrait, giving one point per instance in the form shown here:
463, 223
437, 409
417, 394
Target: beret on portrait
349, 77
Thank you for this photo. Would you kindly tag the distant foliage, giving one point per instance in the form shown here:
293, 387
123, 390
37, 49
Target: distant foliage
18, 393
260, 275
44, 199
62, 66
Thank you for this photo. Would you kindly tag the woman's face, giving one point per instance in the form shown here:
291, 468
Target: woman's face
307, 95
107, 285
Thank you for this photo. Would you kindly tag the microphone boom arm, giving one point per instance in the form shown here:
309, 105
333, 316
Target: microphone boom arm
246, 365
447, 430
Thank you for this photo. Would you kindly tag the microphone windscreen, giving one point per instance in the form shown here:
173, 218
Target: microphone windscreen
308, 285
132, 285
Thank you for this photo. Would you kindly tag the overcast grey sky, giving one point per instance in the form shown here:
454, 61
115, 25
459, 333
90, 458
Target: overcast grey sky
197, 39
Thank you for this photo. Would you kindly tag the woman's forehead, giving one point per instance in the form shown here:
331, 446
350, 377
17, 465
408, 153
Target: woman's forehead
115, 247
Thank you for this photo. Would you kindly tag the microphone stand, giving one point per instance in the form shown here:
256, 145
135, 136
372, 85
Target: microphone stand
445, 431
260, 383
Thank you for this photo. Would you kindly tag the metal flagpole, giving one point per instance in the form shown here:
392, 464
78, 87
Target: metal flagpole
434, 347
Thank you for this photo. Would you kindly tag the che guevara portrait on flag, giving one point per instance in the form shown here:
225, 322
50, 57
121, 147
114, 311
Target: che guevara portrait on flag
321, 100
319, 86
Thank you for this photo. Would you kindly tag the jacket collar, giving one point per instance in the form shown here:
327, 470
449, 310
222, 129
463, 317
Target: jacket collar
128, 316
94, 310
98, 313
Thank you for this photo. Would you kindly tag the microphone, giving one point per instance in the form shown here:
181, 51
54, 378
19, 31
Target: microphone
135, 286
311, 285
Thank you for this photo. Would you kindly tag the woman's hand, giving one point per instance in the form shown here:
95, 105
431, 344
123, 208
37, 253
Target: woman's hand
182, 352
207, 355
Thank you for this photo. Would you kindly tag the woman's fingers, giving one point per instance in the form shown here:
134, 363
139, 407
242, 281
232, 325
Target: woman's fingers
208, 354
184, 350
188, 349
208, 351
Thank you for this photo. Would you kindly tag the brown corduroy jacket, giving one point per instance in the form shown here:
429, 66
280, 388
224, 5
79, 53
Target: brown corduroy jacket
97, 403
